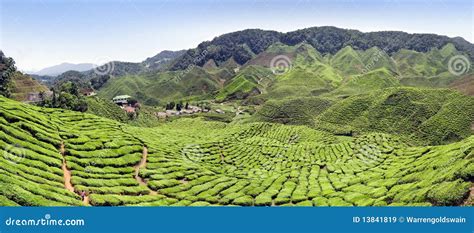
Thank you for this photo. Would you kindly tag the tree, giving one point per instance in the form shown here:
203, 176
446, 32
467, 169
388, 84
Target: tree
179, 106
170, 106
98, 82
68, 98
7, 69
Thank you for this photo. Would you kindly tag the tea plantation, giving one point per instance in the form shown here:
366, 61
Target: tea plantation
50, 156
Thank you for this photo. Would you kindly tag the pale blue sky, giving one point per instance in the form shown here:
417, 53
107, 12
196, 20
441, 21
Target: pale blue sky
41, 33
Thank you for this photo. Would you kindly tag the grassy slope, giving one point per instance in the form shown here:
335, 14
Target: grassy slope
370, 81
426, 69
24, 84
156, 89
145, 117
249, 164
105, 108
252, 80
431, 116
309, 75
299, 111
349, 71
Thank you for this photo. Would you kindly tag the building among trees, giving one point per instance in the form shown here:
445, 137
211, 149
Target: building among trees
121, 99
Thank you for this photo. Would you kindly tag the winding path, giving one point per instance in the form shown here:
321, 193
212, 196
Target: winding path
67, 175
66, 171
142, 164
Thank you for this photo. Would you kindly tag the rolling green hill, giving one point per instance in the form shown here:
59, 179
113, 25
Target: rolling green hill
23, 85
293, 111
50, 155
242, 46
105, 108
371, 81
348, 72
252, 80
157, 89
427, 116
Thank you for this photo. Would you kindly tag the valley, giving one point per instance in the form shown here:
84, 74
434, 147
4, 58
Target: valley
315, 117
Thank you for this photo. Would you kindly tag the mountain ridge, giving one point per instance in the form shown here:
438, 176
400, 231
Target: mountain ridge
326, 39
63, 67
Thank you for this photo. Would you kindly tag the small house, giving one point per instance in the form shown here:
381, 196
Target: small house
121, 99
88, 92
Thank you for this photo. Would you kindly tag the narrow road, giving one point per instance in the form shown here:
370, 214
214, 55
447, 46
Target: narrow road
67, 175
66, 172
142, 164
86, 200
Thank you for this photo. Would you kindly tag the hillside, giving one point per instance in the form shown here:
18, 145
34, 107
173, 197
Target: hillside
427, 116
242, 46
308, 73
158, 88
316, 117
162, 60
371, 81
50, 155
464, 85
106, 108
23, 84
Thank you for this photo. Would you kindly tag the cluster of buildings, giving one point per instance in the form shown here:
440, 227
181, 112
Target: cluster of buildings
34, 97
123, 101
190, 110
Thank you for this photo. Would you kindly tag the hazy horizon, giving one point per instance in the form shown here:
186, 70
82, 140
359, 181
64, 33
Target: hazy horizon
47, 33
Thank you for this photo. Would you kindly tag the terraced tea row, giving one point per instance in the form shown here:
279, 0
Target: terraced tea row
375, 169
51, 156
31, 163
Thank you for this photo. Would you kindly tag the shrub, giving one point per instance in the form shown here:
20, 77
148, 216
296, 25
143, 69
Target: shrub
449, 193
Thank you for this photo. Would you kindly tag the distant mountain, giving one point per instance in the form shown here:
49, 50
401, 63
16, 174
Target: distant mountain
162, 59
348, 72
63, 67
242, 46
